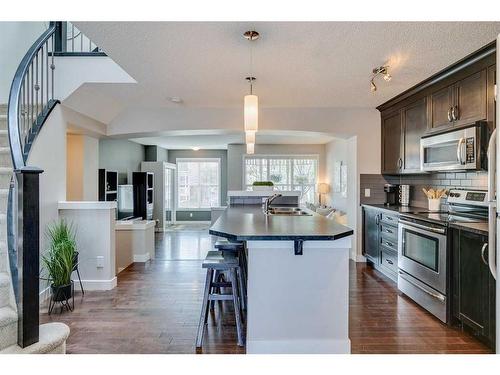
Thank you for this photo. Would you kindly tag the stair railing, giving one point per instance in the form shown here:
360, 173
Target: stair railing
31, 100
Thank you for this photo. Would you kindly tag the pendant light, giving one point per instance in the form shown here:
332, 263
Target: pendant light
251, 102
250, 148
250, 137
251, 109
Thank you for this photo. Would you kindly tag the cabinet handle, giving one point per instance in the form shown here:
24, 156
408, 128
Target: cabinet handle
377, 219
454, 113
400, 163
449, 115
389, 261
389, 231
388, 218
389, 244
482, 253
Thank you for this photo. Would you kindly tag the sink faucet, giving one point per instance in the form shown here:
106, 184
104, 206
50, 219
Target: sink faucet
269, 200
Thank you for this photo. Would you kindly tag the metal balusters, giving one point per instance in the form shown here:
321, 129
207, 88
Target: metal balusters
47, 69
52, 67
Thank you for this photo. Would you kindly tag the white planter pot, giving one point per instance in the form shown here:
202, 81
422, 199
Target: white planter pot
263, 188
434, 204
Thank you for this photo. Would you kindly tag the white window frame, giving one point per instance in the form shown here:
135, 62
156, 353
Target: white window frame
278, 156
199, 160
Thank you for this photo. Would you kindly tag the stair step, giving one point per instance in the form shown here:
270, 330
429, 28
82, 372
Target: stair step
5, 176
8, 327
52, 340
4, 138
4, 289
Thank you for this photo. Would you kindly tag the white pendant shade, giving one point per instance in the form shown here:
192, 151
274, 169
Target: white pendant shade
251, 113
249, 137
250, 148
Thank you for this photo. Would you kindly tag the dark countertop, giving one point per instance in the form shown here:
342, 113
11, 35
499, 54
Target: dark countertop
397, 209
479, 228
248, 223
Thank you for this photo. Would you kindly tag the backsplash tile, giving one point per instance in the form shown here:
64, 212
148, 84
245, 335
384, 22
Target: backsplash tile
459, 180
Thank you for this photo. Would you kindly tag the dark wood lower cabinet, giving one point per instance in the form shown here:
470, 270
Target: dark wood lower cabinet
473, 286
380, 240
371, 219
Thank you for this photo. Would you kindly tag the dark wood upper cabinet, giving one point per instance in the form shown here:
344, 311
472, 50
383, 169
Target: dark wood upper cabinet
441, 102
392, 161
470, 103
415, 123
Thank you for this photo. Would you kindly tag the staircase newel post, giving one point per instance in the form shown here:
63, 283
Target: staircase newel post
28, 247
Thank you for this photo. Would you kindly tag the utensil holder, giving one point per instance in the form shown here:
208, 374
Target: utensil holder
434, 204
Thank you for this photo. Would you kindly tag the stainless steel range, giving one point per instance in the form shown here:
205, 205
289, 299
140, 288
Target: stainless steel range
423, 248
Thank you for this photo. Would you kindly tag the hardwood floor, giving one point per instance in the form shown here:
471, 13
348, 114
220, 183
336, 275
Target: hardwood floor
155, 309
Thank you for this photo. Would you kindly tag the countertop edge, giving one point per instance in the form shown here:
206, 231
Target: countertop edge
281, 237
86, 205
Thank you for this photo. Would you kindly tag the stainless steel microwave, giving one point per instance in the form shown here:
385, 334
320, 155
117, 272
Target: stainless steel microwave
463, 149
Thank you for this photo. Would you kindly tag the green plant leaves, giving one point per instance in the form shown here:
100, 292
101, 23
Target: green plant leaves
59, 257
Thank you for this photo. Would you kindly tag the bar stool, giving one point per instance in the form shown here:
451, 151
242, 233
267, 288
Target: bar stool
222, 262
239, 249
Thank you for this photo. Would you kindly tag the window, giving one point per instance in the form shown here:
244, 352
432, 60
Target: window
198, 183
299, 172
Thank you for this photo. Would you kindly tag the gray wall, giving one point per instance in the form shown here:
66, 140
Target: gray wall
122, 156
235, 154
156, 153
222, 155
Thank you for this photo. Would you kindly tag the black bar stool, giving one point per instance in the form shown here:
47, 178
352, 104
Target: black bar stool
222, 262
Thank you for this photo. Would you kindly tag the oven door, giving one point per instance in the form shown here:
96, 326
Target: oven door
450, 151
422, 253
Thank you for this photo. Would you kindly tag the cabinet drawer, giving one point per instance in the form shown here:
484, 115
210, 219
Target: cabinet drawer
389, 232
389, 243
389, 260
389, 219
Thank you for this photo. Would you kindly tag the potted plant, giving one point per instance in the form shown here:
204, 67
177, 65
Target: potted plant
59, 259
263, 185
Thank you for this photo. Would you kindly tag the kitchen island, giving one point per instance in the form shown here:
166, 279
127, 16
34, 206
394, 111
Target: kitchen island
298, 280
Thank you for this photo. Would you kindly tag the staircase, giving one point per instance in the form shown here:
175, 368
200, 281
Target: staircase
52, 335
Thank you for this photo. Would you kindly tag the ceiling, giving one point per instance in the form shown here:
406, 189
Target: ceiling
220, 141
297, 64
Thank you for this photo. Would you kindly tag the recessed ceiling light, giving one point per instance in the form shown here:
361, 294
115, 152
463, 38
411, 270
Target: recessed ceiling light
195, 148
175, 99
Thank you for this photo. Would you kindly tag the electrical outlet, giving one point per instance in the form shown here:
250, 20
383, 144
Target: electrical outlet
367, 193
190, 214
100, 262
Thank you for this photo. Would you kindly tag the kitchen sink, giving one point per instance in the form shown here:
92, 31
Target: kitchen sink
290, 211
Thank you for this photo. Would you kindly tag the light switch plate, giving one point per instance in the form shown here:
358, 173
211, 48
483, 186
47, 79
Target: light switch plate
367, 193
100, 262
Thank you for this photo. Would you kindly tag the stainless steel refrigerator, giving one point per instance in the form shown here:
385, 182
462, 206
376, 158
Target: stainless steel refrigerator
494, 195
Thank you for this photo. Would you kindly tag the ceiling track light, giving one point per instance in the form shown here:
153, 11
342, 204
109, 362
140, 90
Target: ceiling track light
380, 71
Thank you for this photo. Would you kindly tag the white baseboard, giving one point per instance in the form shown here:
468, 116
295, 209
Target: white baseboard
141, 258
98, 284
360, 258
193, 222
331, 346
44, 294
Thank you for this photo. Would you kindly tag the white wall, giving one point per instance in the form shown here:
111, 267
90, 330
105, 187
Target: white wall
49, 153
15, 40
235, 154
344, 151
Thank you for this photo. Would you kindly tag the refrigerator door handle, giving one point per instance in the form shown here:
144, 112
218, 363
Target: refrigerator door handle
492, 207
